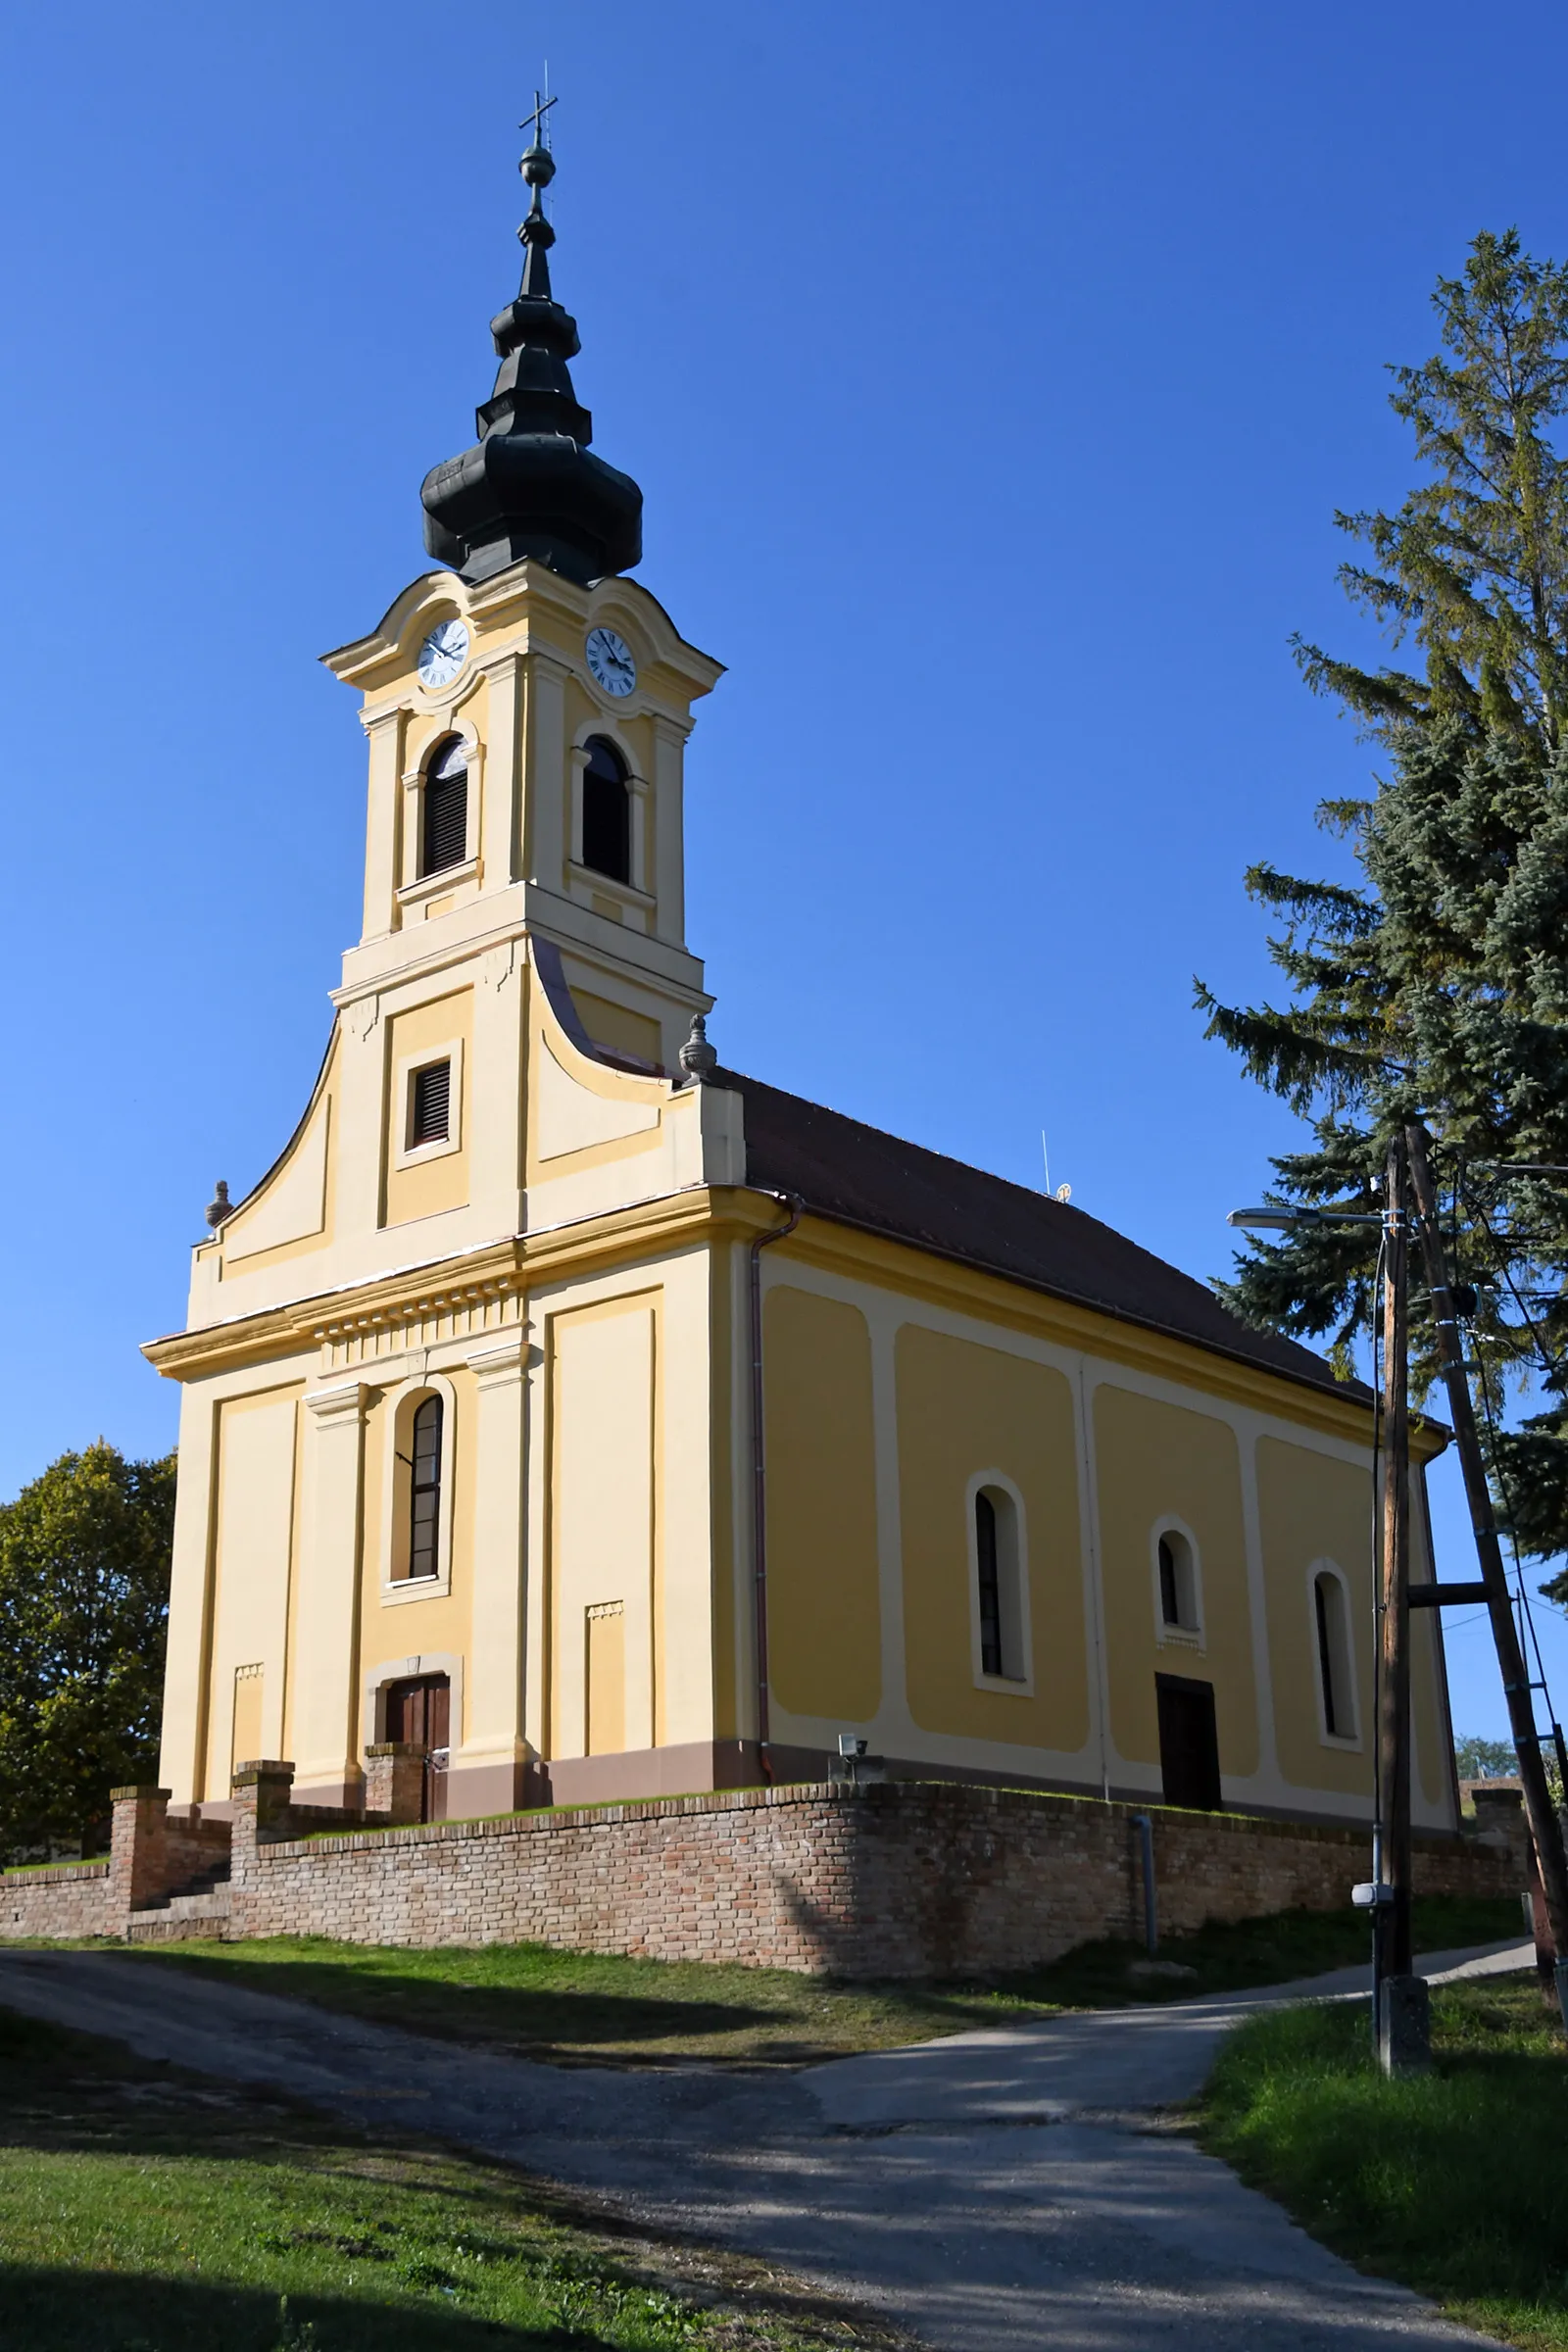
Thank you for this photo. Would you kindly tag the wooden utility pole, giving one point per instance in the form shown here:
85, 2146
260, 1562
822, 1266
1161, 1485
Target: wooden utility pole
1545, 1827
1393, 1922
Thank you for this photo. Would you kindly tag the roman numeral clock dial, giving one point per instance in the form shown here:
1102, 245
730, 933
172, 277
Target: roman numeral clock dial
609, 658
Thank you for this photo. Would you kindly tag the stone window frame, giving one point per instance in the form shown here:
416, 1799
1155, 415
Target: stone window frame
415, 888
1194, 1636
1003, 1686
1348, 1742
639, 795
407, 1154
401, 1405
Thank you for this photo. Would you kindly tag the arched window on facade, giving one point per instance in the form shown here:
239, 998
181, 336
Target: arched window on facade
606, 812
1178, 1583
444, 830
997, 1570
1336, 1677
425, 1490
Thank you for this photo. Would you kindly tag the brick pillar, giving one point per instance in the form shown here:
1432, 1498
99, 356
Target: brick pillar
1500, 1820
394, 1780
262, 1808
138, 1862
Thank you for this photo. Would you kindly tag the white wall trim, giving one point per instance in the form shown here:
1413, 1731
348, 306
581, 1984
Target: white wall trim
1006, 1686
401, 1404
1191, 1638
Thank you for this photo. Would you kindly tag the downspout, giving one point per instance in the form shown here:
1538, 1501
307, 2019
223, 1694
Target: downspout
1145, 1843
795, 1206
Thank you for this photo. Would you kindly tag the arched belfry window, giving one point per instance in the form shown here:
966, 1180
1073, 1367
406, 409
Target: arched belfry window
606, 812
425, 1490
443, 832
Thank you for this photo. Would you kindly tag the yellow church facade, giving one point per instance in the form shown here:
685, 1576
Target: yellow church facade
609, 1424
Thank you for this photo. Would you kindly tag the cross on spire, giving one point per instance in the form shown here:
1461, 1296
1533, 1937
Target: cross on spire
536, 122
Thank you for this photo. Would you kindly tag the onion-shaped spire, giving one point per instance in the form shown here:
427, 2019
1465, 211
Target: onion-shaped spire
530, 486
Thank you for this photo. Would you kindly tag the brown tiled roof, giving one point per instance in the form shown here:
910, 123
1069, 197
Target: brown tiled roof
859, 1176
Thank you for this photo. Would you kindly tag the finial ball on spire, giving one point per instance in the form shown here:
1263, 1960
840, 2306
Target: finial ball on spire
538, 167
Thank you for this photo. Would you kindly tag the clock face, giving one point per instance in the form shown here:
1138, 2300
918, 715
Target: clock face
443, 653
609, 658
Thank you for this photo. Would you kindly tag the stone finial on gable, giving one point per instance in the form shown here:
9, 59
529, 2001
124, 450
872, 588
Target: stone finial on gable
698, 1059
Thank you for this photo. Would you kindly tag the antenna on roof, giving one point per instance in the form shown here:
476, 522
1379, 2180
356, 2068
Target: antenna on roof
1063, 1191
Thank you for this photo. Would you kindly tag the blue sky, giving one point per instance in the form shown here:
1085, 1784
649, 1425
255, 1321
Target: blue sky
992, 376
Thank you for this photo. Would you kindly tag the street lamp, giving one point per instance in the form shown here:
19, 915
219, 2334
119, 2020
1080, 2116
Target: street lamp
1279, 1219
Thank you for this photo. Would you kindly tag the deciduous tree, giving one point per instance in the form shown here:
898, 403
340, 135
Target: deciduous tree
85, 1561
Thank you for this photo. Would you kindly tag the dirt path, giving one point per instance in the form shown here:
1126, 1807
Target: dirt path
990, 2193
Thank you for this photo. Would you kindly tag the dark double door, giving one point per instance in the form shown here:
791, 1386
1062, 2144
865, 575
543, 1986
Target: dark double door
1188, 1744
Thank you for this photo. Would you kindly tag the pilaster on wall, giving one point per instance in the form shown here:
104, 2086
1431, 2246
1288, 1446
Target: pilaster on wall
181, 1758
502, 816
385, 729
492, 1733
668, 884
544, 819
327, 1642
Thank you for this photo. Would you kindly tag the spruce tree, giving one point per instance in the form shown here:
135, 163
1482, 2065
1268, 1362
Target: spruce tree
1437, 986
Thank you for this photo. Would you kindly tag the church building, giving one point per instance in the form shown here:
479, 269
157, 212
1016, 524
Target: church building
608, 1424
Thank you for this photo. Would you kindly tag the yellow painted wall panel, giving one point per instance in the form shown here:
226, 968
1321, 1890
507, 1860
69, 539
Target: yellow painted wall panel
964, 1409
245, 1740
1154, 1458
440, 1622
618, 1027
604, 1424
1314, 1507
823, 1608
607, 1680
427, 1187
253, 1563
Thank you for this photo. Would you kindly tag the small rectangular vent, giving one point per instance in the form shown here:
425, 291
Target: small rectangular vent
430, 1113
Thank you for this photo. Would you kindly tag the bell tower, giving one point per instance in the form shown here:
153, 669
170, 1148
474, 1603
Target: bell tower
527, 708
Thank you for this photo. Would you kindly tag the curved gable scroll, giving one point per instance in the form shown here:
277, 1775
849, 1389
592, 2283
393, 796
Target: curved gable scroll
289, 1203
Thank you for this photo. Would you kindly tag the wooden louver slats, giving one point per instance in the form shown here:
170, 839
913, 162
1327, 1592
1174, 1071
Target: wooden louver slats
430, 1122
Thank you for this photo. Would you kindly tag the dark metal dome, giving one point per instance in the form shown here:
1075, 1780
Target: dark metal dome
530, 485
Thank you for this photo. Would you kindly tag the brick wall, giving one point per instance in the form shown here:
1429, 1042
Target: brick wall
904, 1880
908, 1879
68, 1898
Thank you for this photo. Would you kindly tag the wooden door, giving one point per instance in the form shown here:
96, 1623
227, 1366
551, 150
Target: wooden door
1189, 1743
418, 1711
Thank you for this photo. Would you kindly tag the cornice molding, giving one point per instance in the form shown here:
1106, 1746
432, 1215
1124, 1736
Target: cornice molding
509, 1269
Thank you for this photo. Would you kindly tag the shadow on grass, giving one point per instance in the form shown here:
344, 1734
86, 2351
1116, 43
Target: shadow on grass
524, 2017
49, 2309
1249, 1953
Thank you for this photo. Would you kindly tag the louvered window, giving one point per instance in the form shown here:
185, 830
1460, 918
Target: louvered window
445, 839
424, 1493
606, 812
430, 1106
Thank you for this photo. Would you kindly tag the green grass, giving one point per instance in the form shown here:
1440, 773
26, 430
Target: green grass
141, 2211
587, 2008
1259, 1951
579, 2008
1453, 2183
